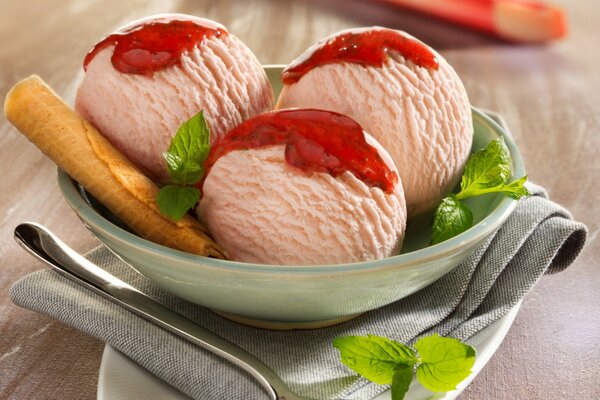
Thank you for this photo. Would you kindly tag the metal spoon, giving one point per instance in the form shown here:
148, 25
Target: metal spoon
44, 245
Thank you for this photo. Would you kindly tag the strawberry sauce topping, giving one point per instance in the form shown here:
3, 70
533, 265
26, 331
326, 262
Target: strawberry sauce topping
370, 47
151, 46
315, 141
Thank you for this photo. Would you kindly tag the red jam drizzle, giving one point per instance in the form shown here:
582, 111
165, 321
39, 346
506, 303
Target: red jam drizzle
149, 47
315, 141
365, 47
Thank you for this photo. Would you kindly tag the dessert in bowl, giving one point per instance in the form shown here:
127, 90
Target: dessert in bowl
303, 296
328, 237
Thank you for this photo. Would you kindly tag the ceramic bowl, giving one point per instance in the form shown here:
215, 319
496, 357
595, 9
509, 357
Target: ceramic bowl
283, 297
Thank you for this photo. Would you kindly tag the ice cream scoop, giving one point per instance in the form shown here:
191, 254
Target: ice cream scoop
302, 186
400, 91
146, 79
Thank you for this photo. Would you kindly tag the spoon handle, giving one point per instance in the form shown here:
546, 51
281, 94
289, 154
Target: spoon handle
44, 245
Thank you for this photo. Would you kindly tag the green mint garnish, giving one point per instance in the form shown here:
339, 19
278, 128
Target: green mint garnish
180, 172
486, 168
440, 364
174, 201
403, 375
185, 158
486, 171
516, 189
374, 357
445, 362
450, 218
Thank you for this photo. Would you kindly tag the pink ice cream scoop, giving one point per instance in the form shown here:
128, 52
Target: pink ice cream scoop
146, 79
400, 91
301, 187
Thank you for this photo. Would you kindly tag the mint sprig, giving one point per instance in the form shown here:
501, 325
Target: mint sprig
487, 171
439, 363
184, 159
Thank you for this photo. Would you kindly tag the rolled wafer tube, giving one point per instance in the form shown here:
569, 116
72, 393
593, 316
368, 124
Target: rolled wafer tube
77, 148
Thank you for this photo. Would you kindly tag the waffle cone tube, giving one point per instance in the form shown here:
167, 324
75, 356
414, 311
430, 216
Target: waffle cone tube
83, 153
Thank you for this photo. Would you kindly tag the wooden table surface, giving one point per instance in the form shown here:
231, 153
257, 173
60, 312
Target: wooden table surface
550, 96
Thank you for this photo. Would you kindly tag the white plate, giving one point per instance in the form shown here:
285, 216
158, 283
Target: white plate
121, 378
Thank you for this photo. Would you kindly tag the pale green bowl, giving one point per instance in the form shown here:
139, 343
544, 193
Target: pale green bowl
284, 297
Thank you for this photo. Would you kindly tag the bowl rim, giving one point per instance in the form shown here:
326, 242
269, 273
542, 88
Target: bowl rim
485, 227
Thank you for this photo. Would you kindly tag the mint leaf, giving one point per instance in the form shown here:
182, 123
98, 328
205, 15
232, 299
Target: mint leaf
191, 143
374, 357
488, 171
445, 362
180, 173
174, 201
185, 158
188, 150
486, 168
174, 163
450, 218
516, 189
403, 374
